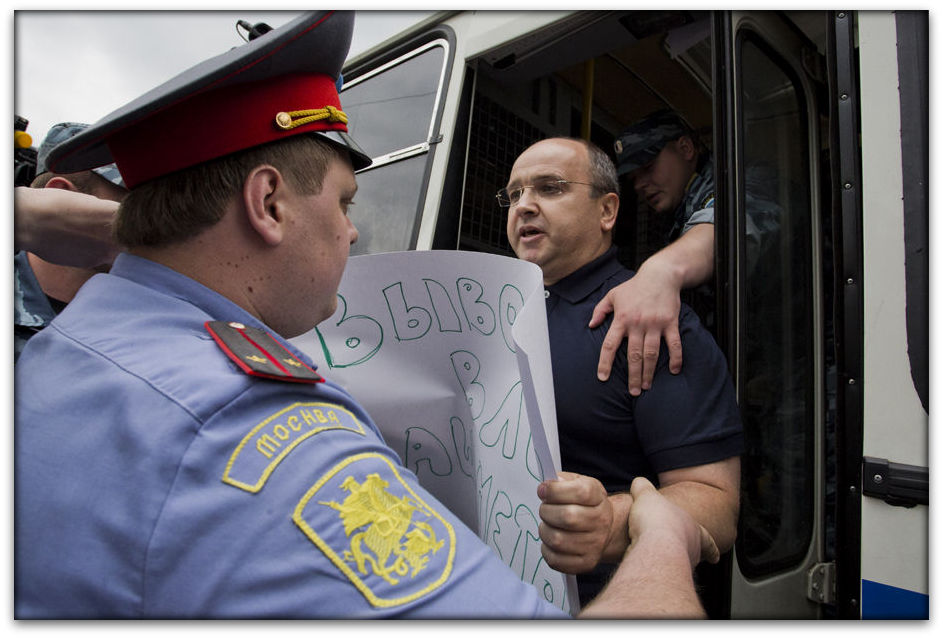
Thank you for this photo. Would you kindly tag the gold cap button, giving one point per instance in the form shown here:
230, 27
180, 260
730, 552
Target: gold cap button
283, 120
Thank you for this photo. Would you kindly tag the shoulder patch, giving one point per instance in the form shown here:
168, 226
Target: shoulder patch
259, 354
707, 201
268, 443
393, 547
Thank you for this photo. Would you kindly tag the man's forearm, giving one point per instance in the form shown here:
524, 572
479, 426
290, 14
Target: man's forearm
64, 227
653, 581
710, 506
686, 262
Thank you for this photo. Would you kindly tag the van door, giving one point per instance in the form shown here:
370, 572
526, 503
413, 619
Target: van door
892, 463
773, 288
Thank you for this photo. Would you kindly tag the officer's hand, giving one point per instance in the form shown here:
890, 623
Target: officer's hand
645, 308
64, 227
653, 514
576, 522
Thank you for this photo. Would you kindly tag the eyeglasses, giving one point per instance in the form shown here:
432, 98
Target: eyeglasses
543, 188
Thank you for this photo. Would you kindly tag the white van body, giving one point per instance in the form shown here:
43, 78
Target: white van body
821, 114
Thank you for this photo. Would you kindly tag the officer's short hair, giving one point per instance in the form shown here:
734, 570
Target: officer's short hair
180, 205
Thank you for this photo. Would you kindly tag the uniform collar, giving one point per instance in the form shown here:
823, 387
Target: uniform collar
704, 172
583, 281
687, 187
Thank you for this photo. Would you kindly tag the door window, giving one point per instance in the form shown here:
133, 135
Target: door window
392, 116
776, 372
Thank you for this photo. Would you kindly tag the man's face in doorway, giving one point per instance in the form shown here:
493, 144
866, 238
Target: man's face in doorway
661, 183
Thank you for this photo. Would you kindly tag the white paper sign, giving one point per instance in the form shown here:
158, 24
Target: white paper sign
448, 352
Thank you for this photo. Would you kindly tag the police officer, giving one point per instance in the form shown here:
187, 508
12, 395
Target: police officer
42, 288
673, 175
183, 459
668, 169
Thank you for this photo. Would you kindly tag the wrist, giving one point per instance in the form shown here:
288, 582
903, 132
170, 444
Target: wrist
670, 273
618, 541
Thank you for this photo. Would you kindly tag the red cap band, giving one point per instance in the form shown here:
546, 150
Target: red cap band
219, 122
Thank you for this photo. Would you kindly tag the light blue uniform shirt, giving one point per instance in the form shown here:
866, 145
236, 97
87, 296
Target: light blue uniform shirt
697, 207
156, 479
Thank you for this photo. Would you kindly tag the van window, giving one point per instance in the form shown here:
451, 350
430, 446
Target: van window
776, 375
392, 114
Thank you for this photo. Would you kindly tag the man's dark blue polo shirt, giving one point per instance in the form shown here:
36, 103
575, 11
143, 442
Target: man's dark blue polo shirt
684, 420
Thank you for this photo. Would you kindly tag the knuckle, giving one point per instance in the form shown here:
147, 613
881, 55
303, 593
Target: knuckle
552, 539
569, 518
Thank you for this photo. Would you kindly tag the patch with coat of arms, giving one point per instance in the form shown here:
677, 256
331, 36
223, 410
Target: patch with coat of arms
391, 545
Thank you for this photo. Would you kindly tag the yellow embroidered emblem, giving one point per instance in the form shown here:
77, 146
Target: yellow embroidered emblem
292, 362
257, 358
394, 547
387, 543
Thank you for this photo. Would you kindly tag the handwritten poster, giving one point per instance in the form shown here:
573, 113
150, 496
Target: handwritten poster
448, 352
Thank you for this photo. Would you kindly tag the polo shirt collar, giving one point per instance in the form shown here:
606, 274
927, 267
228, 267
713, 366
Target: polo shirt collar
584, 280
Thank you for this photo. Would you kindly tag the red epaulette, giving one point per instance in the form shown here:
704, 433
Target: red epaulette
259, 354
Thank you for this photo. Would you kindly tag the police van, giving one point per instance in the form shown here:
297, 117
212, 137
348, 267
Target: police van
825, 329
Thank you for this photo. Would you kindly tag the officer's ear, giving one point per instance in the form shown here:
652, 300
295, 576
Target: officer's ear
62, 183
686, 147
264, 196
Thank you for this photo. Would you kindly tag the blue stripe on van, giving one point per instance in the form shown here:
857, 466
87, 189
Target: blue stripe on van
883, 602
